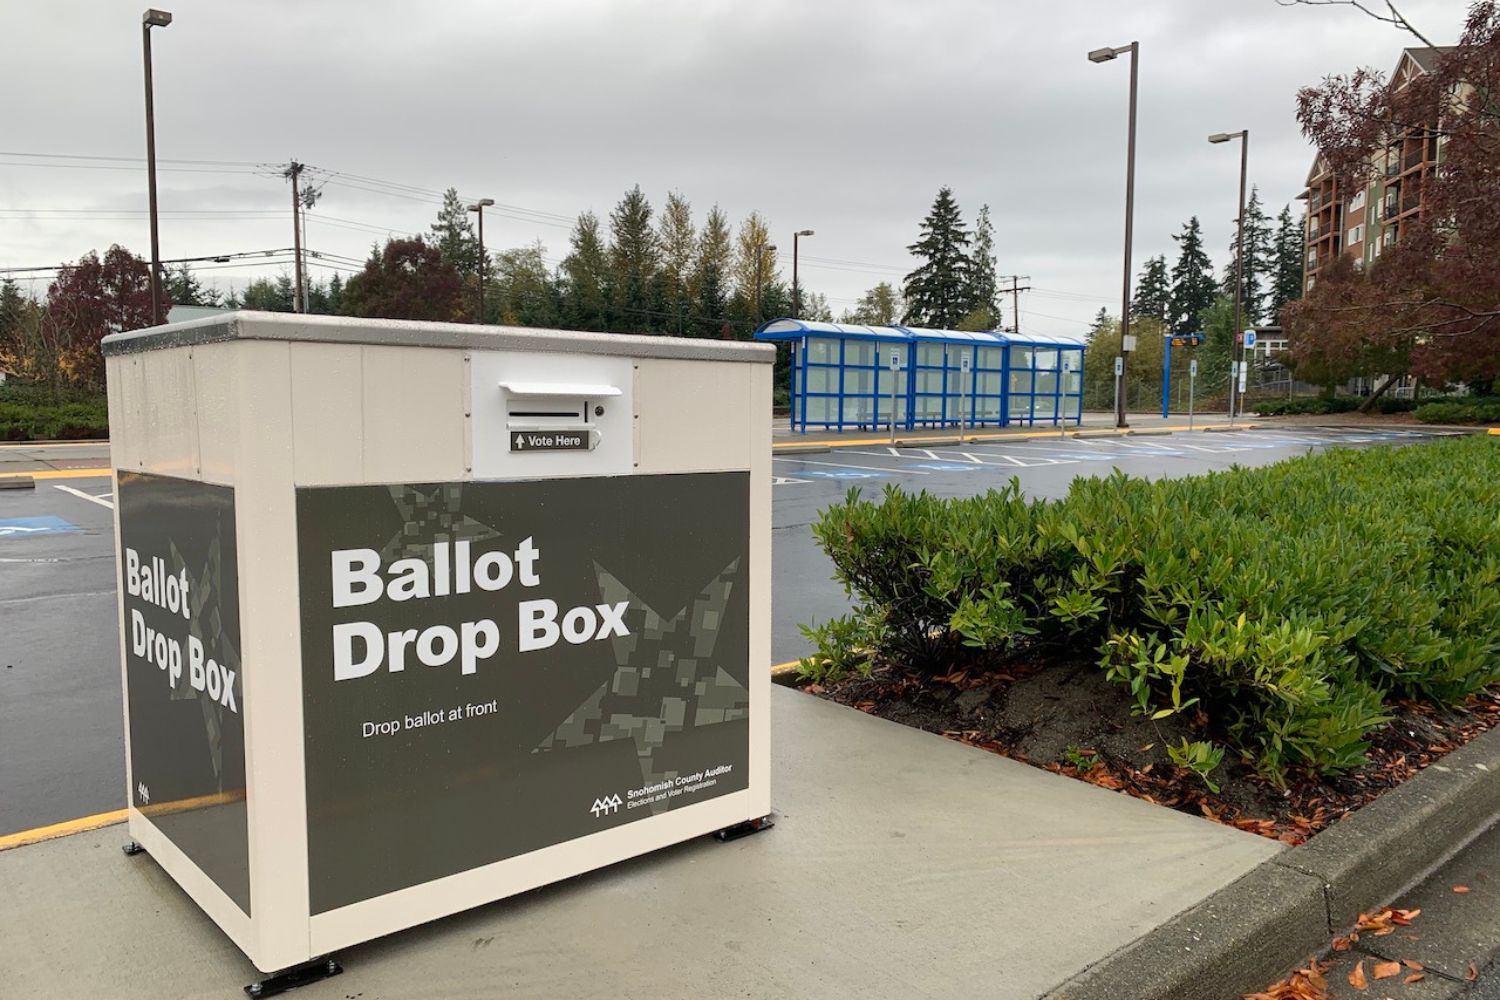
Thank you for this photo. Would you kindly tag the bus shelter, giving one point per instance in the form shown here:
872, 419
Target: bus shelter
848, 377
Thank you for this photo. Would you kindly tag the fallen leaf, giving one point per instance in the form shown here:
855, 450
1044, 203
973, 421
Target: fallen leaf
1413, 964
1415, 977
1385, 970
1460, 889
1357, 977
1473, 973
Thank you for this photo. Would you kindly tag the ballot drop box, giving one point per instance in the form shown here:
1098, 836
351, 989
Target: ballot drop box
418, 616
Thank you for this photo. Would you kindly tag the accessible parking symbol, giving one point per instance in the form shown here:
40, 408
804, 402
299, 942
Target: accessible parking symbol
28, 527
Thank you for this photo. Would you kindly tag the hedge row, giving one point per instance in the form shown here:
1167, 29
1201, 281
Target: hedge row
38, 421
1335, 404
1467, 411
1280, 608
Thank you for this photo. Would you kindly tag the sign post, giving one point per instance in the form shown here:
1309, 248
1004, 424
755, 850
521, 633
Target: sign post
965, 368
1192, 386
1062, 397
1246, 355
895, 367
1119, 370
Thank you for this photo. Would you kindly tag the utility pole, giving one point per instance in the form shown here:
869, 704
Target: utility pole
1015, 298
293, 172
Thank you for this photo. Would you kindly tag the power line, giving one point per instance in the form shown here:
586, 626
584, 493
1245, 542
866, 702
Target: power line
133, 159
212, 258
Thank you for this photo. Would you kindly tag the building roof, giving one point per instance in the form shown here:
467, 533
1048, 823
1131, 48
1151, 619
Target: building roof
1426, 57
796, 329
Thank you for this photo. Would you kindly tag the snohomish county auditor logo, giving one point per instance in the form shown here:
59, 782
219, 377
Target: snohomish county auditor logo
604, 807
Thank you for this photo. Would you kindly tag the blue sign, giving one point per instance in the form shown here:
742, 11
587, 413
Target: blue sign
28, 527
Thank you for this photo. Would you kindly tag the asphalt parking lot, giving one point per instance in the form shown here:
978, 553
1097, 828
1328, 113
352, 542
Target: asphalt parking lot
61, 754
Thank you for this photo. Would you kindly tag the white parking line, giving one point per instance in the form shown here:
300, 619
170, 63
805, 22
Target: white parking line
100, 500
850, 465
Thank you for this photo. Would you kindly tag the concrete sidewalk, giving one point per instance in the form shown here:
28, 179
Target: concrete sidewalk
902, 865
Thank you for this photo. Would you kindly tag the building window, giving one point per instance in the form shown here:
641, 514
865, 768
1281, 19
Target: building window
1355, 235
1357, 202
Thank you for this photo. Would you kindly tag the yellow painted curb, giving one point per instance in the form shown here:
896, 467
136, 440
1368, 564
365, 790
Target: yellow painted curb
60, 474
65, 829
784, 668
1495, 431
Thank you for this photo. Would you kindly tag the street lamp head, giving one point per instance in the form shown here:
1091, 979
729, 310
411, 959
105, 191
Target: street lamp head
482, 203
154, 18
1102, 55
1220, 137
804, 232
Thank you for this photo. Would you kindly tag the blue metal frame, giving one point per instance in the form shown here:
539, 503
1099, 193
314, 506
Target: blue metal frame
1004, 403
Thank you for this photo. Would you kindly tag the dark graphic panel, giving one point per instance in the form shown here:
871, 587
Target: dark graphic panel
180, 583
492, 668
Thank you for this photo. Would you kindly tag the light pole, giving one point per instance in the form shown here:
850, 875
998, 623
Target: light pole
796, 288
1099, 56
153, 18
760, 260
1239, 251
479, 206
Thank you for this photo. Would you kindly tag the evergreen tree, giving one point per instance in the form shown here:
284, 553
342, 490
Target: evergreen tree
815, 307
1193, 286
1288, 260
184, 288
585, 277
453, 235
1153, 291
633, 259
711, 275
265, 295
678, 245
937, 292
1101, 322
1258, 261
984, 307
880, 306
755, 274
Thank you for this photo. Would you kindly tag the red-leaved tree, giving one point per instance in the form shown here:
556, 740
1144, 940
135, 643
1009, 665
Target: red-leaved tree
91, 300
407, 280
1430, 304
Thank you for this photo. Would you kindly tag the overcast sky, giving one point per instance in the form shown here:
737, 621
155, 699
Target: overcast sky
842, 116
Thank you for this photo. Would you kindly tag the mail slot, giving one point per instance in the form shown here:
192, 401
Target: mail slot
416, 616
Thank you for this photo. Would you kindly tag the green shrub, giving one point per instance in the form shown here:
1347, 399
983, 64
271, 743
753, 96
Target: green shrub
32, 413
1317, 405
1287, 604
1460, 411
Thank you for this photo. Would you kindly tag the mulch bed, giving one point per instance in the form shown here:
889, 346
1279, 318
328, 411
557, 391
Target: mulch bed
1066, 718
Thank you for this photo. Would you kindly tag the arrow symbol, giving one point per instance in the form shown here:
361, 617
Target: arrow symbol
520, 442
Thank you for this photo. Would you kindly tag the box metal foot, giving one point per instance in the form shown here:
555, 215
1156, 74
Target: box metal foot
131, 848
744, 829
298, 975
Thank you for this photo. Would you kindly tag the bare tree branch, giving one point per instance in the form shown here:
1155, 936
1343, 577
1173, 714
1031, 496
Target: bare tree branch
1394, 18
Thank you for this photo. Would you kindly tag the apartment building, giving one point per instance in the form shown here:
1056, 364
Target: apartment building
1363, 222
